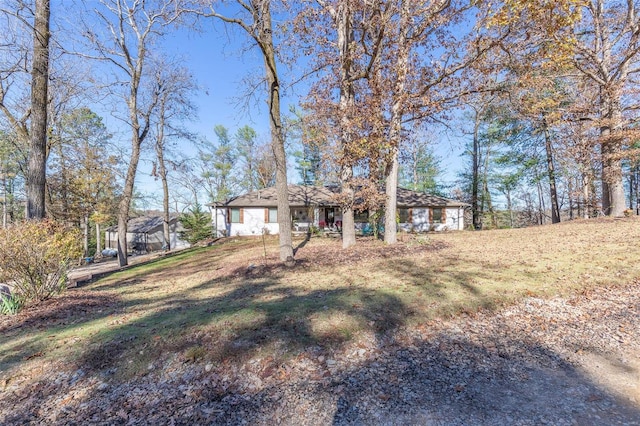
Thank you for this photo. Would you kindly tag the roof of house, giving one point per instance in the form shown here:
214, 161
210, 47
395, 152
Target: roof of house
143, 224
408, 198
300, 195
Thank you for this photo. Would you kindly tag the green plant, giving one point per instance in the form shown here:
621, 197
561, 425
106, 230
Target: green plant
36, 255
10, 304
194, 353
197, 225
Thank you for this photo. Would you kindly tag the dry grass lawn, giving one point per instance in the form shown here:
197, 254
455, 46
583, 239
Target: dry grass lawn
228, 303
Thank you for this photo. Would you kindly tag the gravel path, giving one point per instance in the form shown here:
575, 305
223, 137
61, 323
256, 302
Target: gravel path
563, 361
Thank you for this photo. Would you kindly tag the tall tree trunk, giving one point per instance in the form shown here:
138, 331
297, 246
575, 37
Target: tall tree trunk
509, 208
85, 235
37, 161
541, 207
347, 100
98, 241
162, 172
5, 210
277, 135
476, 210
125, 202
613, 198
165, 199
391, 202
348, 218
553, 191
637, 188
588, 193
571, 200
395, 132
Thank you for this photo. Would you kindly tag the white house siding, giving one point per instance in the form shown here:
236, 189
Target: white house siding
455, 218
454, 221
252, 222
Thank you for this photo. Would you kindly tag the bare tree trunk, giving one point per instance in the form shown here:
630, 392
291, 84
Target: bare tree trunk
125, 202
347, 99
348, 218
637, 188
555, 208
98, 241
85, 235
37, 161
5, 211
162, 171
571, 200
509, 208
391, 189
277, 135
586, 194
613, 198
476, 210
261, 30
395, 133
541, 206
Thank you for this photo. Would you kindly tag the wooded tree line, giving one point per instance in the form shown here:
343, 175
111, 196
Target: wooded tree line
546, 90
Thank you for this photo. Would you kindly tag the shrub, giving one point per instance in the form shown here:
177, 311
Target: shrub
10, 304
197, 225
35, 257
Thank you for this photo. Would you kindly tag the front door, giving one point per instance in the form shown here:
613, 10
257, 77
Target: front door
329, 216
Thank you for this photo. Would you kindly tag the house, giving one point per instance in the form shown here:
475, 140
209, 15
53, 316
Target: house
256, 212
145, 234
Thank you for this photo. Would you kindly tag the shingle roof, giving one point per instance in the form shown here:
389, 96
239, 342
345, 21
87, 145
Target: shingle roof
143, 224
300, 195
408, 198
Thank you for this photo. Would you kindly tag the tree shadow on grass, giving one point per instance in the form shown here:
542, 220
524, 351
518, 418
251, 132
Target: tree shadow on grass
447, 378
22, 337
259, 313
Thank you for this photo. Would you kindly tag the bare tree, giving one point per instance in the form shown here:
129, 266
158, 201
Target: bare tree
255, 20
30, 124
37, 164
124, 38
173, 85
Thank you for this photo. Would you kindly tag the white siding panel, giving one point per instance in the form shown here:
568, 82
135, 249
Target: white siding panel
420, 220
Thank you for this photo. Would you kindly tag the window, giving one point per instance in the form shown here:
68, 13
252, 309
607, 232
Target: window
361, 216
404, 215
236, 215
436, 215
300, 215
271, 215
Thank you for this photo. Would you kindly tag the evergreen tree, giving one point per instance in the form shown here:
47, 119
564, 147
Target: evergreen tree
197, 225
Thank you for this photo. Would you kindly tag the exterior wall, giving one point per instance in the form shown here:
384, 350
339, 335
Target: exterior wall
454, 221
455, 218
252, 222
140, 242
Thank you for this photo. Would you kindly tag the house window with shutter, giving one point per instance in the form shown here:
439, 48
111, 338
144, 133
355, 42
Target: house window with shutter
405, 215
236, 215
271, 215
437, 215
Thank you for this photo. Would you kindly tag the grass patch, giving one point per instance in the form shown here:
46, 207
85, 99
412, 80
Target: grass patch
227, 303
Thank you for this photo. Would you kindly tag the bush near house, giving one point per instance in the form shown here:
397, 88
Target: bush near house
35, 257
196, 224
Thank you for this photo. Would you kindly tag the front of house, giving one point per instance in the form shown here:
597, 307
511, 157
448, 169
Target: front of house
255, 213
